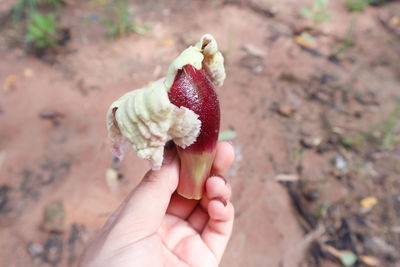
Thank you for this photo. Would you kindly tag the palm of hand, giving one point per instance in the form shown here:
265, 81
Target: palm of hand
156, 227
190, 234
187, 234
182, 244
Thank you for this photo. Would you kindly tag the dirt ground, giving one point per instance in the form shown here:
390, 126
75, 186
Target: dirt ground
317, 170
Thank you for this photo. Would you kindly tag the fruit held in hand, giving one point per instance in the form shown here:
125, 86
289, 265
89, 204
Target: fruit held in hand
183, 107
193, 89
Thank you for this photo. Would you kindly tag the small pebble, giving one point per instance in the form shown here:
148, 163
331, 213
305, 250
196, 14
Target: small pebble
308, 142
35, 249
286, 110
339, 162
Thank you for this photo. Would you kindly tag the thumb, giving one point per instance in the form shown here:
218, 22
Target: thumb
145, 207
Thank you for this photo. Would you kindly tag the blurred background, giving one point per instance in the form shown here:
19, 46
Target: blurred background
311, 104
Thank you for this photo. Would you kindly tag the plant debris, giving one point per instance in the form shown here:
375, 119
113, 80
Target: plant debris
339, 162
50, 114
4, 199
309, 142
286, 110
9, 83
227, 135
54, 217
286, 178
254, 51
368, 202
53, 250
346, 257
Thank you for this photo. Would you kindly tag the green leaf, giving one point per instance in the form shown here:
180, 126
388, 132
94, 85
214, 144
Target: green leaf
17, 11
29, 37
307, 12
321, 4
308, 37
227, 135
32, 4
138, 29
322, 17
36, 17
348, 258
41, 30
356, 5
32, 29
119, 21
44, 22
41, 43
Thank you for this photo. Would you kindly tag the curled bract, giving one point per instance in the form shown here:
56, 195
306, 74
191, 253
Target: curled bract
213, 61
204, 54
145, 119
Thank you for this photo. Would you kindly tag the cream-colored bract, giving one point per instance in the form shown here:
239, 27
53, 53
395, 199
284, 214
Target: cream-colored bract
213, 61
204, 54
145, 119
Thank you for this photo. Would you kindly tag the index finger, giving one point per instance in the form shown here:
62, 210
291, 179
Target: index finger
224, 157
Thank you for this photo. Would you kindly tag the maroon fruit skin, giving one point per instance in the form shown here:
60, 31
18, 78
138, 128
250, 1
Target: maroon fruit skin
193, 89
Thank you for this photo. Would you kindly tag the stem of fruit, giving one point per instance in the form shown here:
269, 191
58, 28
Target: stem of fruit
195, 169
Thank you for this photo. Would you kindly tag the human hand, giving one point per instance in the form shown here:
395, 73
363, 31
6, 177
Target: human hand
155, 226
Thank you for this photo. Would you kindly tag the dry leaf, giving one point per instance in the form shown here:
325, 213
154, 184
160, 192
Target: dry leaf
306, 40
112, 179
168, 42
347, 257
286, 178
254, 51
370, 261
111, 175
286, 110
28, 72
368, 202
9, 82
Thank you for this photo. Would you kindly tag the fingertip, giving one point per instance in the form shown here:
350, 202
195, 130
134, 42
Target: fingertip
224, 157
217, 175
165, 177
228, 151
216, 186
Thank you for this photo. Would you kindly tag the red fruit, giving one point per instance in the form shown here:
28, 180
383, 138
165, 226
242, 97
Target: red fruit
193, 89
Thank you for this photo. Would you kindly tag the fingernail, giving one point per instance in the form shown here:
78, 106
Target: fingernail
223, 201
220, 176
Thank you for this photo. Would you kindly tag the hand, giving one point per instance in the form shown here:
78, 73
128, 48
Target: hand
155, 226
